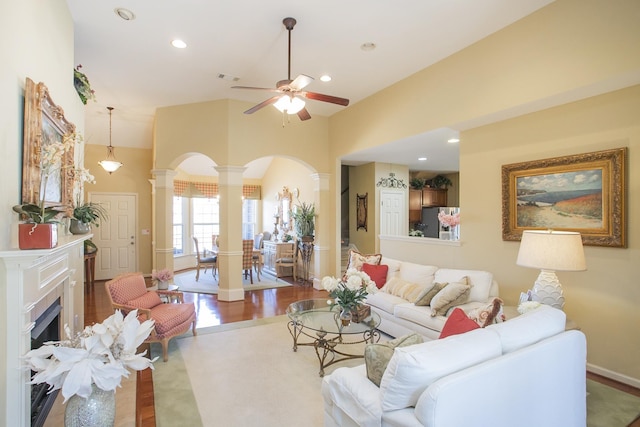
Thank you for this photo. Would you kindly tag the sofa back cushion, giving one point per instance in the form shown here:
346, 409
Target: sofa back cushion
479, 280
417, 273
412, 369
394, 267
401, 288
529, 328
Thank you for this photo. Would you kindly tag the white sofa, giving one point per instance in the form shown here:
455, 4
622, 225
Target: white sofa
525, 372
400, 317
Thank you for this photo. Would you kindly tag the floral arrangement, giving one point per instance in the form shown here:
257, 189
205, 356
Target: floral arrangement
101, 354
51, 155
416, 233
449, 220
163, 275
81, 83
351, 290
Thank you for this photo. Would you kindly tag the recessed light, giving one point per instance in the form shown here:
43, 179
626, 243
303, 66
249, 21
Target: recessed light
422, 159
125, 14
325, 78
178, 44
368, 46
453, 140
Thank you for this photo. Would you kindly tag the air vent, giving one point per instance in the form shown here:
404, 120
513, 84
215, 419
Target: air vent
228, 77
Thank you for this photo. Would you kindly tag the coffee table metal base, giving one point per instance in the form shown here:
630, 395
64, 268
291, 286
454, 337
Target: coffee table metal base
325, 346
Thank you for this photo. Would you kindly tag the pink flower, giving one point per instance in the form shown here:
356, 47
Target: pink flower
163, 275
449, 220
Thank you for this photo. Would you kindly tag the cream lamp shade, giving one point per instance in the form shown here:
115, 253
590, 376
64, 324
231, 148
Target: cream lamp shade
551, 251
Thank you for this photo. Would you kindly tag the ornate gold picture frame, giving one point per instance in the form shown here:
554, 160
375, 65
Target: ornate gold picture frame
584, 193
44, 123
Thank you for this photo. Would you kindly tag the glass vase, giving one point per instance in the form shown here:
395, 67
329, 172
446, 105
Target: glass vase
97, 410
345, 316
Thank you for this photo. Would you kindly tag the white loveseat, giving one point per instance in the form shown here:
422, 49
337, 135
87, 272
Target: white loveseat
525, 372
400, 317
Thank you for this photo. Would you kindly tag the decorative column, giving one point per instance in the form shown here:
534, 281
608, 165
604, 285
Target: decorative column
230, 239
163, 214
321, 251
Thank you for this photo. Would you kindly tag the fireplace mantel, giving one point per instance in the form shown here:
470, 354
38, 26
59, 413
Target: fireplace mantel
30, 280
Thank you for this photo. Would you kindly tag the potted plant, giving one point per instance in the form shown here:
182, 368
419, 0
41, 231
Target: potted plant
304, 216
439, 181
417, 183
87, 214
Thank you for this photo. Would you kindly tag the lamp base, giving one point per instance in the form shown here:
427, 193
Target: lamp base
547, 290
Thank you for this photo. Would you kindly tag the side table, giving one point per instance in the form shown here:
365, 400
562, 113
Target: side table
89, 270
511, 311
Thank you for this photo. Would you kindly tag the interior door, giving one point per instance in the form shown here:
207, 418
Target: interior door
116, 238
393, 213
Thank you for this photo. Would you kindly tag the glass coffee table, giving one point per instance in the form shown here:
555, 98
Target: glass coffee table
315, 319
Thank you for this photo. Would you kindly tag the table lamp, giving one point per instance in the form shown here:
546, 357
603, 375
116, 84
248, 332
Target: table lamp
550, 251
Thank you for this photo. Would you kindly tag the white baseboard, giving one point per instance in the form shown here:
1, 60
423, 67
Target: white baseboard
625, 379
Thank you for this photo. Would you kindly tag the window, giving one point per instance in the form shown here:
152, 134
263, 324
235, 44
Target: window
205, 215
178, 226
249, 216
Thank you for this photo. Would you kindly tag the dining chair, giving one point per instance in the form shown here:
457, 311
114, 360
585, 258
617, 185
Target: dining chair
204, 260
287, 258
247, 259
129, 292
257, 254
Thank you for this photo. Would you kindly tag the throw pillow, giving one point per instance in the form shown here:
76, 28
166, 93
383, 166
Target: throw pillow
403, 289
458, 323
453, 294
148, 300
377, 355
378, 273
427, 295
485, 316
356, 259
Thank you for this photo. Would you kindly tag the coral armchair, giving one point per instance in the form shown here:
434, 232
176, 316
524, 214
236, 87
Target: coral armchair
129, 291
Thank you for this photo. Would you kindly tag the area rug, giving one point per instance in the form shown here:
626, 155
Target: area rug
246, 374
207, 284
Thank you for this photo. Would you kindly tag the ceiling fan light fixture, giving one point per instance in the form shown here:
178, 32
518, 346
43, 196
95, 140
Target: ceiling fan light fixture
289, 104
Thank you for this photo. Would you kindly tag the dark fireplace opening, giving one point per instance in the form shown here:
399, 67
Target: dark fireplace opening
47, 328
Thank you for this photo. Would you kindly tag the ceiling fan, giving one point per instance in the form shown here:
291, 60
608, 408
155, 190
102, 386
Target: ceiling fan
290, 91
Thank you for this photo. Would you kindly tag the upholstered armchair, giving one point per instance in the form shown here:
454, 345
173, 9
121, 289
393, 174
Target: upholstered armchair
128, 292
288, 258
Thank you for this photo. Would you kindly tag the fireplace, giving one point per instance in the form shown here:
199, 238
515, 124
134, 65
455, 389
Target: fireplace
47, 328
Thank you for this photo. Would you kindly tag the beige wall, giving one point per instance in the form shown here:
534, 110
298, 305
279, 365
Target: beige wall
362, 181
133, 177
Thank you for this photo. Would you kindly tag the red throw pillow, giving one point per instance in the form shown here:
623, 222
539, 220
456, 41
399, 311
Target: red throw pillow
378, 273
458, 323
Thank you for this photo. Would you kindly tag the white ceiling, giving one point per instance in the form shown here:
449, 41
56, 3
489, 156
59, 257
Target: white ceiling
133, 67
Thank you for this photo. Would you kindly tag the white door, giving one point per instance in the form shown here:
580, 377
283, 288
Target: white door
393, 213
116, 238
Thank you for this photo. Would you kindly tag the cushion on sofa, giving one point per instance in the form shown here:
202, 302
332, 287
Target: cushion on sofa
384, 301
530, 327
480, 281
427, 295
458, 323
394, 266
377, 273
488, 314
403, 289
377, 355
417, 273
412, 369
455, 293
356, 259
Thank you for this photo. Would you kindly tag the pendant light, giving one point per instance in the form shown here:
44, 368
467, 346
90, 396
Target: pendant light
110, 164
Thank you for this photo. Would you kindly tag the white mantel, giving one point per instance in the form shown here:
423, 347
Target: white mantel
30, 280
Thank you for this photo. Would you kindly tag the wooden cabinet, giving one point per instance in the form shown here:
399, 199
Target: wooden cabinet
415, 206
272, 251
434, 197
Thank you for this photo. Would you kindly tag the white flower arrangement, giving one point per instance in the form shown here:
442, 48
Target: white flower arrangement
351, 290
416, 233
100, 354
527, 306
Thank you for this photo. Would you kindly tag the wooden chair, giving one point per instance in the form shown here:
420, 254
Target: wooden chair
287, 258
128, 292
203, 260
247, 258
257, 254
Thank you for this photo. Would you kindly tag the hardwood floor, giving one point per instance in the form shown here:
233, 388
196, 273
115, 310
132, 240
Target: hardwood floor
211, 312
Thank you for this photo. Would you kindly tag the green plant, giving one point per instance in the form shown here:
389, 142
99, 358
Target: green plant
34, 213
304, 216
439, 181
89, 247
90, 213
417, 183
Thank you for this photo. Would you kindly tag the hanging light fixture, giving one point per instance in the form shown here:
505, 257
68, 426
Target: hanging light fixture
289, 104
110, 164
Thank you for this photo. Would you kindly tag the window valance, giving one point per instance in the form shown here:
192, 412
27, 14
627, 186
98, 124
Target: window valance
210, 190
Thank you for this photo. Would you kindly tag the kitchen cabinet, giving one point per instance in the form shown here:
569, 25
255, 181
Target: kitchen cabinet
434, 197
415, 205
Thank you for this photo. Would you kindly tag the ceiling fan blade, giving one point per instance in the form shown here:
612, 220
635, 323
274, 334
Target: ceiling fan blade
304, 114
256, 88
325, 98
300, 82
269, 101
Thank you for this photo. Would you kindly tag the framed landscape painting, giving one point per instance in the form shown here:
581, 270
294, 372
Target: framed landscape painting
583, 193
